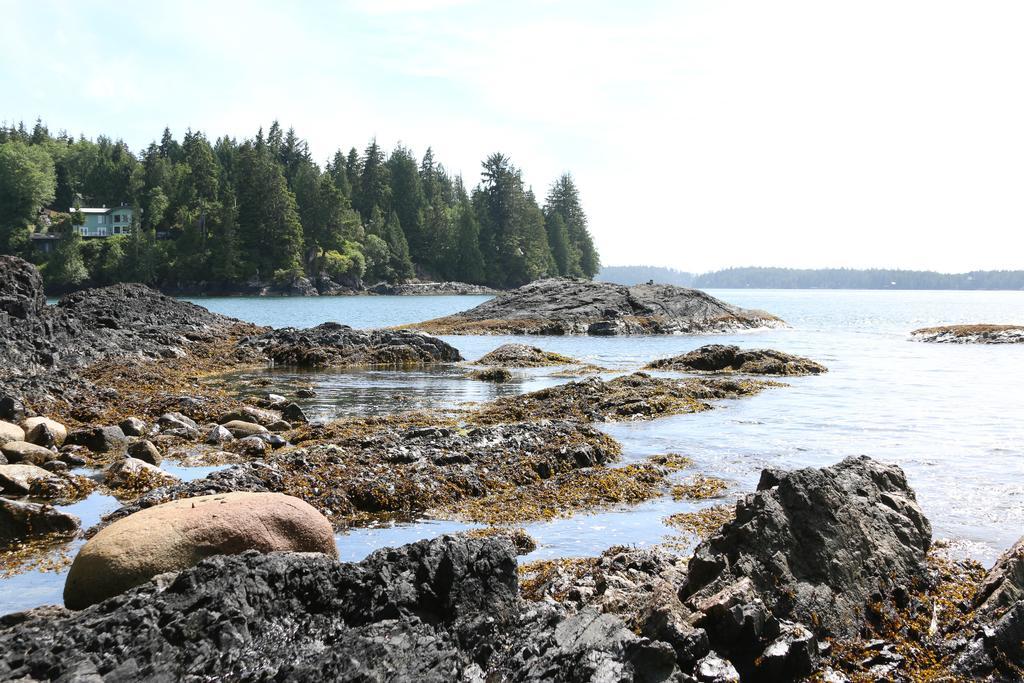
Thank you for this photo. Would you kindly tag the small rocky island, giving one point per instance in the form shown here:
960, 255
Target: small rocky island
725, 359
970, 334
560, 306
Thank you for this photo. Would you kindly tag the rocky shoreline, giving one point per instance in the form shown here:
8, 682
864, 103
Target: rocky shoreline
825, 573
821, 573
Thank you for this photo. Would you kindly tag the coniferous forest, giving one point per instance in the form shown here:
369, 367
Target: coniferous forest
224, 214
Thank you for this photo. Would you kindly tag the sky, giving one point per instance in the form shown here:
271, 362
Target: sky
701, 135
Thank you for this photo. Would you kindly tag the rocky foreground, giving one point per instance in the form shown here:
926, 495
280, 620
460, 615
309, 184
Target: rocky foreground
565, 306
970, 334
822, 572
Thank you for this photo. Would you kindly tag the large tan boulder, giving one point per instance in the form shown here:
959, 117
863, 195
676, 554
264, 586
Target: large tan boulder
27, 453
10, 432
177, 535
59, 431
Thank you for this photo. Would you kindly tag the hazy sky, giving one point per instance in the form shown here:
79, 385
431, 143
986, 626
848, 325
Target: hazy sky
701, 134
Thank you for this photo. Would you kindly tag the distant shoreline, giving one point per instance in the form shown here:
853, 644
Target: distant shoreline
877, 279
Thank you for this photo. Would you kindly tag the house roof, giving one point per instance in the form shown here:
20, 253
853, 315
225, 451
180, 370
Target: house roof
100, 210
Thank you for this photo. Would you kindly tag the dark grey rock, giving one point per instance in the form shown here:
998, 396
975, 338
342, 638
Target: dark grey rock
334, 345
11, 408
719, 358
145, 451
21, 520
133, 426
99, 439
55, 466
293, 413
21, 295
42, 435
422, 612
818, 544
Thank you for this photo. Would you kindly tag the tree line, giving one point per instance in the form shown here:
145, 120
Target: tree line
228, 213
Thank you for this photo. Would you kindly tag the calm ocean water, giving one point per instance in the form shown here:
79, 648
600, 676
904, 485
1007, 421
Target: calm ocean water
952, 416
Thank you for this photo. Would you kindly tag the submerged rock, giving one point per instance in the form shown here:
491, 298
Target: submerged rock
719, 358
971, 334
334, 345
178, 534
498, 375
523, 356
566, 306
134, 474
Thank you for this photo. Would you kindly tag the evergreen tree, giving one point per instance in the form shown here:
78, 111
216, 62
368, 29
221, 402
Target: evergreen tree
467, 263
267, 216
374, 183
407, 200
27, 183
398, 247
558, 238
563, 199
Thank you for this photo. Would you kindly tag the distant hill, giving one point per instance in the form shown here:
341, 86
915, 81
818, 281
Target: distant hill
634, 275
819, 278
844, 278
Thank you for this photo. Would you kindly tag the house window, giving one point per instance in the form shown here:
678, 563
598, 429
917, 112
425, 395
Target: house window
117, 218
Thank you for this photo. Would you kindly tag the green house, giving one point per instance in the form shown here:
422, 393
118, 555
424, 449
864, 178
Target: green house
104, 222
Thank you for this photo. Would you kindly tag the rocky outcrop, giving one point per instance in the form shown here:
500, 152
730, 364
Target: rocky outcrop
565, 306
1004, 584
117, 321
971, 334
21, 520
178, 534
523, 356
430, 289
719, 358
817, 544
334, 345
22, 296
